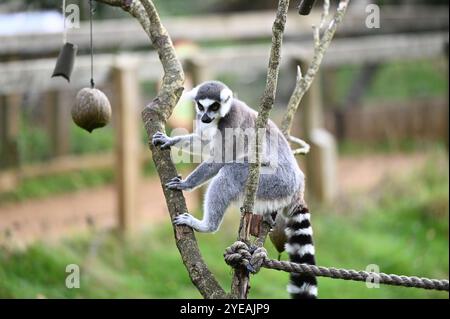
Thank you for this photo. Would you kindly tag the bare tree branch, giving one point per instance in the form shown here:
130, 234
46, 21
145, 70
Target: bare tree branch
155, 116
267, 101
321, 44
159, 110
240, 278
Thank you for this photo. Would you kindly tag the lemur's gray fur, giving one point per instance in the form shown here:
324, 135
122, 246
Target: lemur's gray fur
275, 190
280, 190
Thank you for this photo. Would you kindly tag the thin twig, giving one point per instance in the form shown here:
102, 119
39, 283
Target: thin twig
304, 147
321, 44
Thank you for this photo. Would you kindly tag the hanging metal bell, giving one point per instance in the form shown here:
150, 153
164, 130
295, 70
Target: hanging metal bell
65, 62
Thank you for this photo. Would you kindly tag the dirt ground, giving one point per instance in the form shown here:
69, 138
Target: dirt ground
51, 218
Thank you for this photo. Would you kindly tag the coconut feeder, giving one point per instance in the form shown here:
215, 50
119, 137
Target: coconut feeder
92, 108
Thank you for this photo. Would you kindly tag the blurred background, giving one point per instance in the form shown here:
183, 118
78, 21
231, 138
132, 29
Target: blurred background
376, 118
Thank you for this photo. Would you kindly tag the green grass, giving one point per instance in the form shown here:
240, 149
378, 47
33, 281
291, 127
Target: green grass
83, 142
402, 227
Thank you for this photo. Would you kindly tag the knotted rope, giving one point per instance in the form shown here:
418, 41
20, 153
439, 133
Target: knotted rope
239, 254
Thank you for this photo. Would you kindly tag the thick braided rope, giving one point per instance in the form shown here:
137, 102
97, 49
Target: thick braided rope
350, 274
239, 254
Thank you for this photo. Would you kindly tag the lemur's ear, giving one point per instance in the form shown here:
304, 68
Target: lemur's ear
225, 95
191, 94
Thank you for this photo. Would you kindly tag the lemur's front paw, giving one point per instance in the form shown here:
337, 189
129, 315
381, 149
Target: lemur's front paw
177, 183
161, 139
184, 219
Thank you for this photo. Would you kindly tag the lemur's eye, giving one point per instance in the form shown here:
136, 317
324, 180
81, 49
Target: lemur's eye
214, 107
200, 107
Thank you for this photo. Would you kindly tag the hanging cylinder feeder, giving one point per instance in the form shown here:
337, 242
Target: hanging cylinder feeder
67, 54
305, 7
65, 61
92, 108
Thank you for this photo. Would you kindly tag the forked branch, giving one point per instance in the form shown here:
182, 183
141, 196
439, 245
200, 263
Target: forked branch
155, 116
321, 44
322, 40
241, 278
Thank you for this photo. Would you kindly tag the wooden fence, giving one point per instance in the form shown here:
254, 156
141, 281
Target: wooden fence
115, 34
121, 72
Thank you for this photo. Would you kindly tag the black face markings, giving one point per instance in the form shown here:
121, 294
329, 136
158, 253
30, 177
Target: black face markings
214, 107
200, 106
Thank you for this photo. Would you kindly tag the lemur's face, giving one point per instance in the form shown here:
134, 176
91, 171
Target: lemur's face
212, 101
208, 109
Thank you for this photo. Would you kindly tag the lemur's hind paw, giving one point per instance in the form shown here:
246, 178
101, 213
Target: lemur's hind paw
177, 183
161, 139
184, 219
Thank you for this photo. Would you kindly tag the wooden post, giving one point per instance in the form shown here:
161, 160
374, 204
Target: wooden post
321, 160
311, 107
9, 134
128, 141
9, 129
447, 133
196, 72
57, 110
322, 165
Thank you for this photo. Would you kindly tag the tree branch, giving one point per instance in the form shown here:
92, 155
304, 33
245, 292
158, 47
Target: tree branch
159, 110
321, 44
155, 116
240, 278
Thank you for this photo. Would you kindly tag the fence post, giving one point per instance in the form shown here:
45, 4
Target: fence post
128, 148
58, 120
321, 161
196, 72
9, 133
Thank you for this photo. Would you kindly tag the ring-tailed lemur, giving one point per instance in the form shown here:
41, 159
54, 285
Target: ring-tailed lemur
279, 191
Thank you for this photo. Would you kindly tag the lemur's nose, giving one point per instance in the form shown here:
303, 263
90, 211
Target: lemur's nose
206, 119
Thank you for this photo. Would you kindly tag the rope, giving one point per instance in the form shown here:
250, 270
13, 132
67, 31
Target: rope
239, 254
91, 13
64, 22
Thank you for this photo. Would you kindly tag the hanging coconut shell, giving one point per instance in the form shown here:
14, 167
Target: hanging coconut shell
277, 235
91, 110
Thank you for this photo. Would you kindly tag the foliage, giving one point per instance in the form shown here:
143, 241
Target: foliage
397, 81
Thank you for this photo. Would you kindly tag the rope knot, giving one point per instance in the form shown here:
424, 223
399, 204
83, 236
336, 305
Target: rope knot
239, 254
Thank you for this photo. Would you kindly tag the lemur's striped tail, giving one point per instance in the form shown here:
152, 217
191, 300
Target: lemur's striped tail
300, 248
